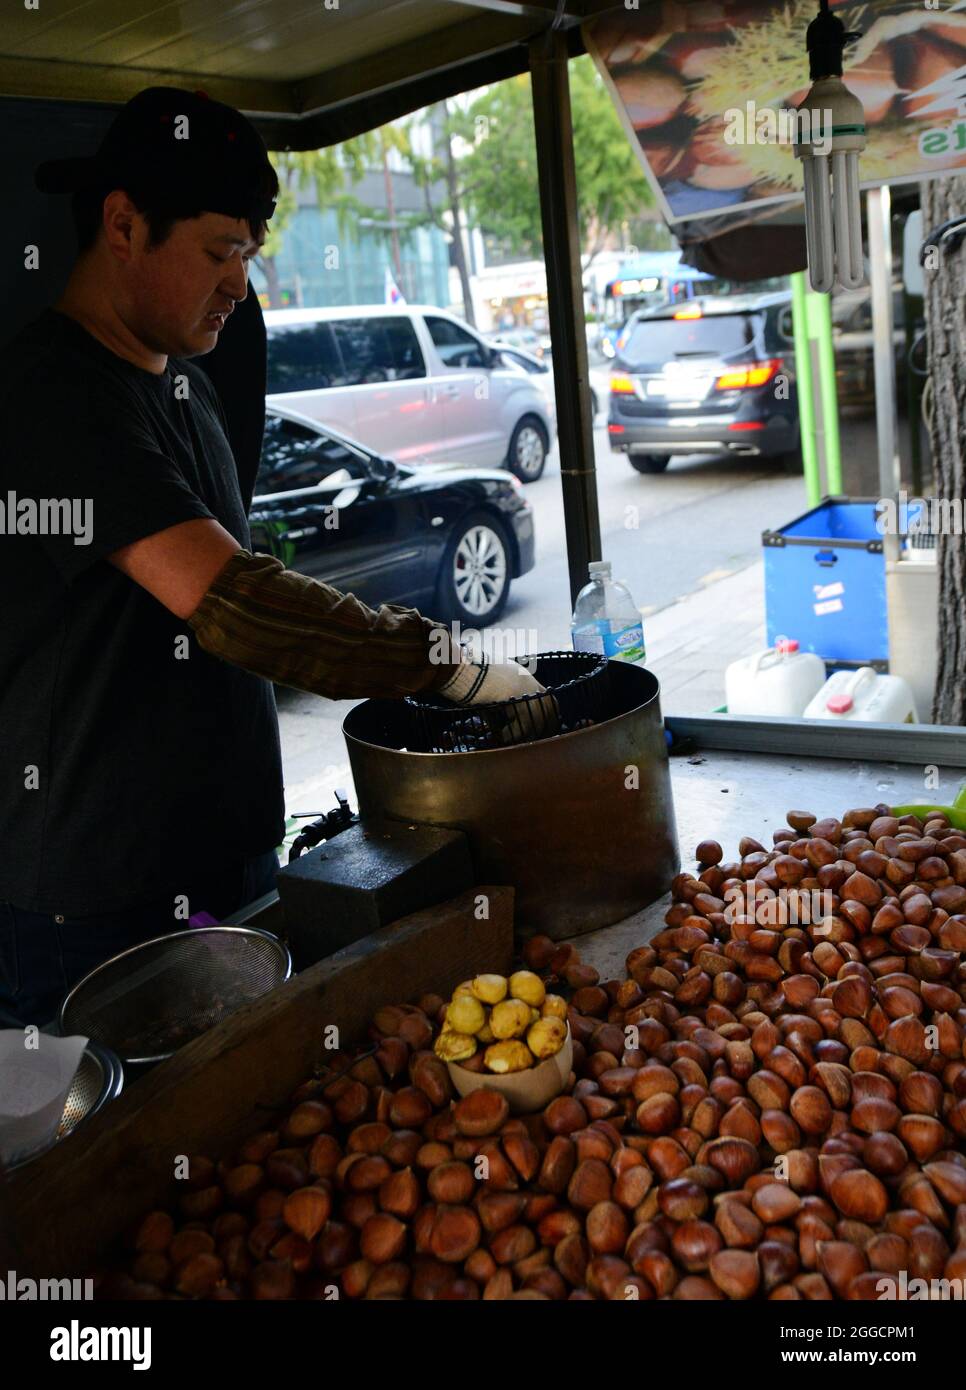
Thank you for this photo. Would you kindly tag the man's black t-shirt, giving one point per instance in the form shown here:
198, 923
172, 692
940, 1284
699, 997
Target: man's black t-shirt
131, 759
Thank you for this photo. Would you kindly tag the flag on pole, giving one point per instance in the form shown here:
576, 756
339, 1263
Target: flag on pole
394, 294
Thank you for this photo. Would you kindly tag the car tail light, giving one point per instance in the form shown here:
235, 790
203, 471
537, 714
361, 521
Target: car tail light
623, 385
615, 429
751, 374
747, 425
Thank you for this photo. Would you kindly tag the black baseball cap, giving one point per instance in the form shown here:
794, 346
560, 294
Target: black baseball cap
178, 142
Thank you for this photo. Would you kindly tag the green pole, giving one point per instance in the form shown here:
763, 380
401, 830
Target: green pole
803, 379
822, 321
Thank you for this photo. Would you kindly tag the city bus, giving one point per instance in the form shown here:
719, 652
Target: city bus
656, 277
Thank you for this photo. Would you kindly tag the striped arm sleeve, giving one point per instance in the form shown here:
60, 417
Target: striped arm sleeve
302, 633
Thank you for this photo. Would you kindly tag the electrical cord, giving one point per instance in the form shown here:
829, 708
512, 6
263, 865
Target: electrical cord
919, 339
945, 238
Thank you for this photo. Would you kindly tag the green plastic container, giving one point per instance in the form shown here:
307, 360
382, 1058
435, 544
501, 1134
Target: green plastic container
956, 813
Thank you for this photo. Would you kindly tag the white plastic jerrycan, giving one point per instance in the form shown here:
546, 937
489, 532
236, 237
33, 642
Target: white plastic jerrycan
779, 681
865, 696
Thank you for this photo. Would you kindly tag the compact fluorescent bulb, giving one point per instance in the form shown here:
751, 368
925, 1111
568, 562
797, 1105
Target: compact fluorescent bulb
830, 162
830, 134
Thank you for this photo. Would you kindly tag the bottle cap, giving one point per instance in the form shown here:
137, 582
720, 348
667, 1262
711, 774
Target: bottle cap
598, 567
786, 645
839, 704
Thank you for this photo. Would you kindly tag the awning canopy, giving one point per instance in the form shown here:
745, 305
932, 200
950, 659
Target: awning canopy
313, 73
316, 71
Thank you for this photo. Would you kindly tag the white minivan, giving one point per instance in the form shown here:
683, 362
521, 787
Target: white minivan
410, 381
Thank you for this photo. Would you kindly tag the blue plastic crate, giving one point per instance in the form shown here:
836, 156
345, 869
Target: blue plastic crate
825, 584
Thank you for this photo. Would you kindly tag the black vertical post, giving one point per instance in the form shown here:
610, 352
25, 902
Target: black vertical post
565, 300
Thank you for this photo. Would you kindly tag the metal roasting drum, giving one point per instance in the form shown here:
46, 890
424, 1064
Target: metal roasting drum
581, 823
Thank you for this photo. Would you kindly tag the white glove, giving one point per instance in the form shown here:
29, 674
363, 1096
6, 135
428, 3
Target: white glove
484, 682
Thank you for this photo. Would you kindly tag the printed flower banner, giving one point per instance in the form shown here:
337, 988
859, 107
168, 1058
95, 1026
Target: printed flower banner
706, 91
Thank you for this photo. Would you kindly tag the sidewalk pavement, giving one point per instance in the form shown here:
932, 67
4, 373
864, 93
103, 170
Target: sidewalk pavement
690, 643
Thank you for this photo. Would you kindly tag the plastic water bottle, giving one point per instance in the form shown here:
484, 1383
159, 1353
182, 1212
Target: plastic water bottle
606, 618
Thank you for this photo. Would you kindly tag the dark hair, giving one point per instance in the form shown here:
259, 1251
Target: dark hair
160, 209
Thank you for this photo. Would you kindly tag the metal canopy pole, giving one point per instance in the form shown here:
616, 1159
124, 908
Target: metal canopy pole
565, 301
879, 213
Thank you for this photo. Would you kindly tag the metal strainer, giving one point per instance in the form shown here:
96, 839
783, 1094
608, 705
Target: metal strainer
578, 693
99, 1079
153, 998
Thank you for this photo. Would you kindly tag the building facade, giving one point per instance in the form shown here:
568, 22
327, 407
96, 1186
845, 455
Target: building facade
323, 264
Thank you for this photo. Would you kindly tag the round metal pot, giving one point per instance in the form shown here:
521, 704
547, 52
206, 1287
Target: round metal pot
582, 824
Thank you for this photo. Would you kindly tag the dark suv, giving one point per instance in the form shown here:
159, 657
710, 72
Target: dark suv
710, 375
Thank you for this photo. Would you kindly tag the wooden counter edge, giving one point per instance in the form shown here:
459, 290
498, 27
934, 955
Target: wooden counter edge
67, 1208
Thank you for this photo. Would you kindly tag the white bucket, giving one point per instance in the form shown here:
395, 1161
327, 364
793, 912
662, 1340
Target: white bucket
779, 681
865, 696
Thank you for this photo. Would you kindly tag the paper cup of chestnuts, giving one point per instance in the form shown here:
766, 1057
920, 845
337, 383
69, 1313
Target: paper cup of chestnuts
507, 1035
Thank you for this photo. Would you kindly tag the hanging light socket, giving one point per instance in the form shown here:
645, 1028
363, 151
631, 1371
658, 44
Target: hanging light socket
831, 133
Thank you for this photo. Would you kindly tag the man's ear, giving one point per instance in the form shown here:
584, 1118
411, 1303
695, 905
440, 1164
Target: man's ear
118, 222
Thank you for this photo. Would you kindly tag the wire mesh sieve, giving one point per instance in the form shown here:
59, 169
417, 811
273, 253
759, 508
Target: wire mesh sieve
99, 1079
153, 998
85, 1091
579, 695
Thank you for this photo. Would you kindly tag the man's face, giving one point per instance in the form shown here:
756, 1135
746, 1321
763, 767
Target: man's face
181, 292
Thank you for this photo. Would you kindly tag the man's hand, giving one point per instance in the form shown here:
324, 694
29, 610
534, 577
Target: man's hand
484, 682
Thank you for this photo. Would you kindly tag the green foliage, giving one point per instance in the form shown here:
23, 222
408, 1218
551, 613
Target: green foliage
490, 169
499, 173
329, 171
611, 187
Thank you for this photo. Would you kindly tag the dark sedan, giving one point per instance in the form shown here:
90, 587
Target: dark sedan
702, 377
447, 540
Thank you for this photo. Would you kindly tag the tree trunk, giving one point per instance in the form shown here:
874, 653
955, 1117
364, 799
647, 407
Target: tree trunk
943, 198
391, 214
459, 248
269, 268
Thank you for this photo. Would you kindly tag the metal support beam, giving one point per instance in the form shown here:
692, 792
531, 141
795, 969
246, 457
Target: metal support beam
565, 301
919, 744
879, 215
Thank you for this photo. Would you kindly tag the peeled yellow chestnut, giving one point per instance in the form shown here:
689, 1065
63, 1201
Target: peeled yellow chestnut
465, 1014
490, 989
451, 1046
547, 1036
554, 1007
528, 987
509, 1019
508, 1056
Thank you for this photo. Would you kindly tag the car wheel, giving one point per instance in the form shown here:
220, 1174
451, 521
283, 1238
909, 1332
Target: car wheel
474, 578
527, 454
649, 463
